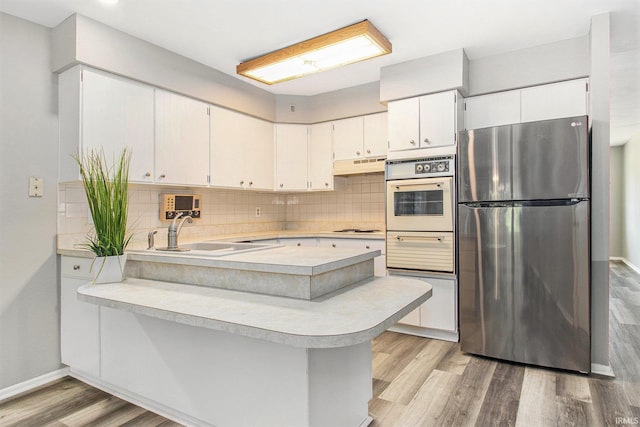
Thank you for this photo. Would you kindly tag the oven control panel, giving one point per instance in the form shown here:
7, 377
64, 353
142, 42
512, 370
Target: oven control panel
434, 166
424, 167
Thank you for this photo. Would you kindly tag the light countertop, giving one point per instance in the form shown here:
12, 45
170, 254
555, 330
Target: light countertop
346, 317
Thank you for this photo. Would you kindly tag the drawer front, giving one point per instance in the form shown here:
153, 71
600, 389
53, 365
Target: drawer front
421, 251
365, 244
77, 267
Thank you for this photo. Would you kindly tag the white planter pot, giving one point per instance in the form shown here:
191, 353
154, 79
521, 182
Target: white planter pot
109, 269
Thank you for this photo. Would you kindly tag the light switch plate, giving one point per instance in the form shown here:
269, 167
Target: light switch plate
36, 186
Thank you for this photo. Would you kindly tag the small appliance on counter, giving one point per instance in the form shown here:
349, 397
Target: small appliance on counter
524, 242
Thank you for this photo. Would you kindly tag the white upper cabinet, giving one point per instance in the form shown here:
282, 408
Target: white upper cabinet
320, 161
496, 109
554, 101
241, 150
424, 122
348, 138
99, 111
375, 135
182, 140
404, 124
291, 157
545, 102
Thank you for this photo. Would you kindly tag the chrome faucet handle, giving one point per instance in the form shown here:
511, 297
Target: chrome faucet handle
150, 239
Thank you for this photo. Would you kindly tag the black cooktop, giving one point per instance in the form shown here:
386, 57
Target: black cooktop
354, 230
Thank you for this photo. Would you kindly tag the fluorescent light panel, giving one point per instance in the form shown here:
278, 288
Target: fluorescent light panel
341, 47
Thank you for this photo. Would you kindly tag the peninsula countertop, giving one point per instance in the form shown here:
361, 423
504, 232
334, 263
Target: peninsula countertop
349, 316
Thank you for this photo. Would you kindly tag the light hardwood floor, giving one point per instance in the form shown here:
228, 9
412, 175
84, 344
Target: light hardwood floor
422, 382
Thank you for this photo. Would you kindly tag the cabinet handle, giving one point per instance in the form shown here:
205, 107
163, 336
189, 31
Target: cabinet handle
427, 141
163, 175
412, 142
76, 267
147, 174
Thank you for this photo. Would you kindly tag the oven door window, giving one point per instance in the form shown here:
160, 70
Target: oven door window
418, 203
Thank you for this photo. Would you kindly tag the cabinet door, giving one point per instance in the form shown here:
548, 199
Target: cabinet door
348, 138
438, 119
375, 135
496, 109
320, 157
554, 101
117, 114
258, 149
182, 140
79, 321
291, 157
404, 125
228, 147
441, 310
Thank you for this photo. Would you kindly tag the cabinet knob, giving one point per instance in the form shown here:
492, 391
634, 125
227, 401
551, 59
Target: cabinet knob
367, 247
281, 185
427, 141
298, 244
147, 174
333, 245
76, 267
368, 151
326, 184
241, 182
412, 142
250, 183
163, 175
358, 153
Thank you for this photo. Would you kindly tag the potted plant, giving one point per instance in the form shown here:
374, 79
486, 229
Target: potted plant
106, 189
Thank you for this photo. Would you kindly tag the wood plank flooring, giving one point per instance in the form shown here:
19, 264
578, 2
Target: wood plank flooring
422, 382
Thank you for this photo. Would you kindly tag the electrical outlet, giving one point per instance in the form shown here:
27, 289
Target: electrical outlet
258, 212
36, 186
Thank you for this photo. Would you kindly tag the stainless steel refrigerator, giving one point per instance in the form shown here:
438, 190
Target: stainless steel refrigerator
524, 243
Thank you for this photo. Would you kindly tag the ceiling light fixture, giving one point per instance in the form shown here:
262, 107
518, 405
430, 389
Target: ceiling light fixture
347, 45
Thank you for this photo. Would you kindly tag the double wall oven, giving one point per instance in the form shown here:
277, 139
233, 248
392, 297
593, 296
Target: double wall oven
420, 237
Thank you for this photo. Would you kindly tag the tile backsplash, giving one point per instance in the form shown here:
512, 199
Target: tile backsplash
358, 203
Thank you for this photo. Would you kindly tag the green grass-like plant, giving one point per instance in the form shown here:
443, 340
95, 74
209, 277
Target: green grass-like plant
106, 189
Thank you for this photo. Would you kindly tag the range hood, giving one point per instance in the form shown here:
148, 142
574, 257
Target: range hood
358, 166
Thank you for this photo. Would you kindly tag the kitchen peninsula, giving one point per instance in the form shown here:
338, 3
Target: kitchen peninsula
273, 336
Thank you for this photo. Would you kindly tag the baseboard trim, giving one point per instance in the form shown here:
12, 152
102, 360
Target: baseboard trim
604, 370
29, 385
425, 332
148, 404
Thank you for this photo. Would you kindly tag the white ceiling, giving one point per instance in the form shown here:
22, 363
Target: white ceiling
223, 33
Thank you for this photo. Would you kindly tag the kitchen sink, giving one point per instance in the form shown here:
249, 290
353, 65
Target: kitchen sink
216, 248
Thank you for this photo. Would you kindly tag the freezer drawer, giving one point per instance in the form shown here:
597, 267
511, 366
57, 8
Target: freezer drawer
524, 283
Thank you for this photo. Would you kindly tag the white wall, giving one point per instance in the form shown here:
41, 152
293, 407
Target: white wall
631, 237
616, 209
29, 300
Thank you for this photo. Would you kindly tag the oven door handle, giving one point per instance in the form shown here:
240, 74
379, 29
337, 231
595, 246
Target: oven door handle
403, 238
424, 184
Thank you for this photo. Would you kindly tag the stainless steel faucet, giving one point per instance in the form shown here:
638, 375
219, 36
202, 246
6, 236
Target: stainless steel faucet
174, 230
150, 239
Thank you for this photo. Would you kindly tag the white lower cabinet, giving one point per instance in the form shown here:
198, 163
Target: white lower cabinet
440, 312
379, 262
79, 321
